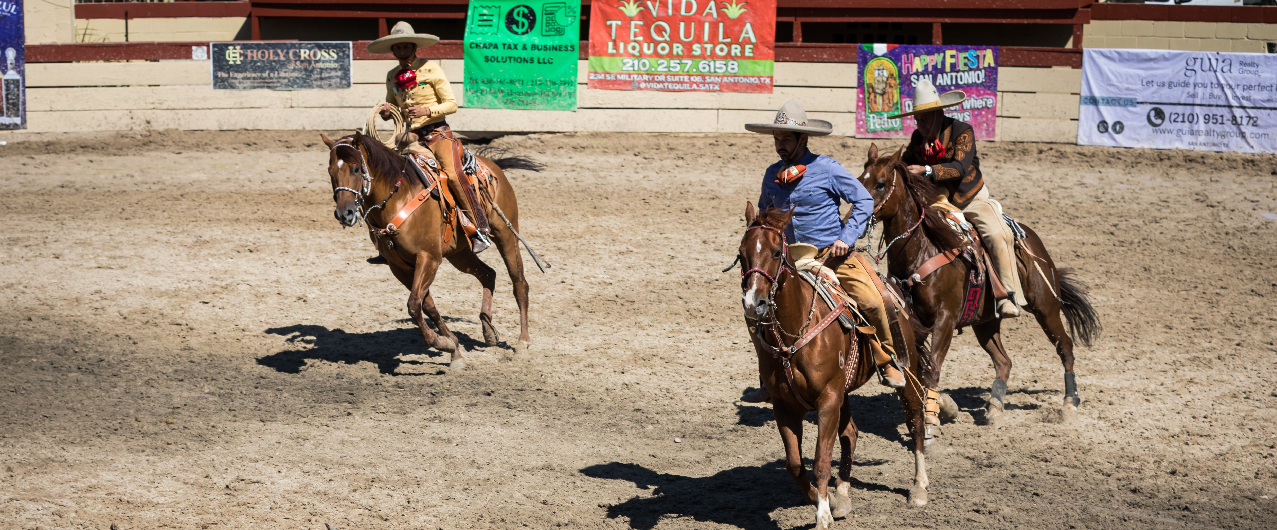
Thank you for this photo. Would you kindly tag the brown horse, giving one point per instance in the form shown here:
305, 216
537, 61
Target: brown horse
372, 183
801, 361
918, 232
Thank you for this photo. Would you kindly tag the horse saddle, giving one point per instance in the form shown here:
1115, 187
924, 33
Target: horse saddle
826, 285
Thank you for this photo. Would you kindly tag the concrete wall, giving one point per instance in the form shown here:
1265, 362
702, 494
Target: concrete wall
1191, 36
48, 21
163, 29
1036, 104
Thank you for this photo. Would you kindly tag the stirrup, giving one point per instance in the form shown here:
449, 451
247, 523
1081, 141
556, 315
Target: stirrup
882, 375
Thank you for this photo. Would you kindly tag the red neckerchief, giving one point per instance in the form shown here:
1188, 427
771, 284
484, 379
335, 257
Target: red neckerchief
790, 174
406, 79
933, 153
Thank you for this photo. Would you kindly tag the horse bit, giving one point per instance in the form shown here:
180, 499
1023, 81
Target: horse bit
363, 173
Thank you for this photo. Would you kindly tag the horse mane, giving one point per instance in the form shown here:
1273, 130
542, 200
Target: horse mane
381, 159
922, 191
773, 217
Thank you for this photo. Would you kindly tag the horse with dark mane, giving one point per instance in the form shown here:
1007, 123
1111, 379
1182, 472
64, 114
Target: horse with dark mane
807, 361
373, 184
925, 252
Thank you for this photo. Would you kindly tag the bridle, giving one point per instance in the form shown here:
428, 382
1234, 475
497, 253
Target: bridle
367, 178
873, 220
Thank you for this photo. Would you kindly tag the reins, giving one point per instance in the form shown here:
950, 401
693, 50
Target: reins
367, 177
873, 220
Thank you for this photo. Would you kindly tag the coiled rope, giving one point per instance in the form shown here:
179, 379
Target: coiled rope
370, 128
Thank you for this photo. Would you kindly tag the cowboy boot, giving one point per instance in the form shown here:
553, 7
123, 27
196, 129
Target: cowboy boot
888, 372
1007, 307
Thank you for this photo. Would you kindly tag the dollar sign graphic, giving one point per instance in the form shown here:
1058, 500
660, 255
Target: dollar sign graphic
521, 26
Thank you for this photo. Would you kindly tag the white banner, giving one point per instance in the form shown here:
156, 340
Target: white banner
1166, 99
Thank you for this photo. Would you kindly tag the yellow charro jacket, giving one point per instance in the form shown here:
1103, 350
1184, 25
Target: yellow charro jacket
432, 92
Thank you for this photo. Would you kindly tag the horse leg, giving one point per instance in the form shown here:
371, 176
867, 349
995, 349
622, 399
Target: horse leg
940, 340
1053, 325
509, 246
790, 424
847, 434
990, 337
827, 423
423, 276
469, 263
911, 399
432, 312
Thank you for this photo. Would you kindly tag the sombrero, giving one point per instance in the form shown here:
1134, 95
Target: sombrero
402, 32
791, 117
926, 99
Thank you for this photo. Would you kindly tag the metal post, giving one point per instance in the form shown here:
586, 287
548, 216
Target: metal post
936, 37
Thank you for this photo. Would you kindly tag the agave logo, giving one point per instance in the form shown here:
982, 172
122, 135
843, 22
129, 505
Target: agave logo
521, 20
1156, 117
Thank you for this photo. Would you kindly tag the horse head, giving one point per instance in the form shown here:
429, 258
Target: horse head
763, 256
348, 171
882, 176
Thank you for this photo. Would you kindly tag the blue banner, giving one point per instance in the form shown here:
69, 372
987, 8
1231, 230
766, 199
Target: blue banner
13, 66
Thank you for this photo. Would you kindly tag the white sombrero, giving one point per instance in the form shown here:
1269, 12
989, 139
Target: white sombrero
791, 117
926, 99
402, 32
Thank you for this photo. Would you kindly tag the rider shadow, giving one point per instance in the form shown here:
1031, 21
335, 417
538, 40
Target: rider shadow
337, 346
742, 497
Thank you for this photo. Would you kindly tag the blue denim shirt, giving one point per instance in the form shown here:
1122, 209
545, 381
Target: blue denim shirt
816, 198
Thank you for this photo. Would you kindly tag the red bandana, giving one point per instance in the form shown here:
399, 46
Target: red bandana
933, 153
790, 174
406, 79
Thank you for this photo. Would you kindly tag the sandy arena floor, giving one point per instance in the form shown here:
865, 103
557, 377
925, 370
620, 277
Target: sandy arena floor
189, 340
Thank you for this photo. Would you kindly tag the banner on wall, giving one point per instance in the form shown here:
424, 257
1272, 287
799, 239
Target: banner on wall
280, 65
683, 45
1164, 99
522, 54
13, 79
888, 73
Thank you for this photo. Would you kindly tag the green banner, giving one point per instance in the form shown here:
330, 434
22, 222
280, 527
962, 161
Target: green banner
522, 54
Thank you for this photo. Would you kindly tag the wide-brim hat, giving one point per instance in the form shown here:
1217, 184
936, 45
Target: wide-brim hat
927, 99
402, 32
792, 118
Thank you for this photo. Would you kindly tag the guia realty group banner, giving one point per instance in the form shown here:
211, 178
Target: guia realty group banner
1165, 99
522, 54
889, 73
683, 45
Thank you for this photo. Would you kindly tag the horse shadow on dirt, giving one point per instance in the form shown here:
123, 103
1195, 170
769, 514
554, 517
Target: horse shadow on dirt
973, 399
880, 415
743, 497
381, 348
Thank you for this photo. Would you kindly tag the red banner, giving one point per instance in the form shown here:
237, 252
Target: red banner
682, 45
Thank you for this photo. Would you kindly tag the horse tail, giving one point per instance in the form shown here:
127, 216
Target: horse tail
504, 160
1084, 323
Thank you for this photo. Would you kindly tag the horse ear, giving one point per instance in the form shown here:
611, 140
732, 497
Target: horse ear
750, 213
327, 141
895, 158
357, 139
873, 153
784, 221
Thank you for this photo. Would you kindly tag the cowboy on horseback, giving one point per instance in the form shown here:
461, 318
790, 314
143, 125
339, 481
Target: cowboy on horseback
421, 93
943, 151
814, 186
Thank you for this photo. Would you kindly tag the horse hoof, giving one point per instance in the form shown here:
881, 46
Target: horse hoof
457, 363
521, 351
490, 335
446, 344
824, 521
840, 505
993, 413
948, 409
917, 496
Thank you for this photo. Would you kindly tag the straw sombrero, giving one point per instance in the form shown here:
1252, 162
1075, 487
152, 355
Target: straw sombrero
791, 117
926, 99
402, 32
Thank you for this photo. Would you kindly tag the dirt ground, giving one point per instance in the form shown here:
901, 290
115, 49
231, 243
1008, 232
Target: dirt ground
188, 339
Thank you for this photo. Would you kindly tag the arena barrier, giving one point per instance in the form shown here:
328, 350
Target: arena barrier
1034, 105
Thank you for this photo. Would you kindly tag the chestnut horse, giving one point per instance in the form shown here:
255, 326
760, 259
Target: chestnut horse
801, 361
917, 232
371, 183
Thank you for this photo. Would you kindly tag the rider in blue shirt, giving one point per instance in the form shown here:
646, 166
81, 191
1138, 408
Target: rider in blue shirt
815, 186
